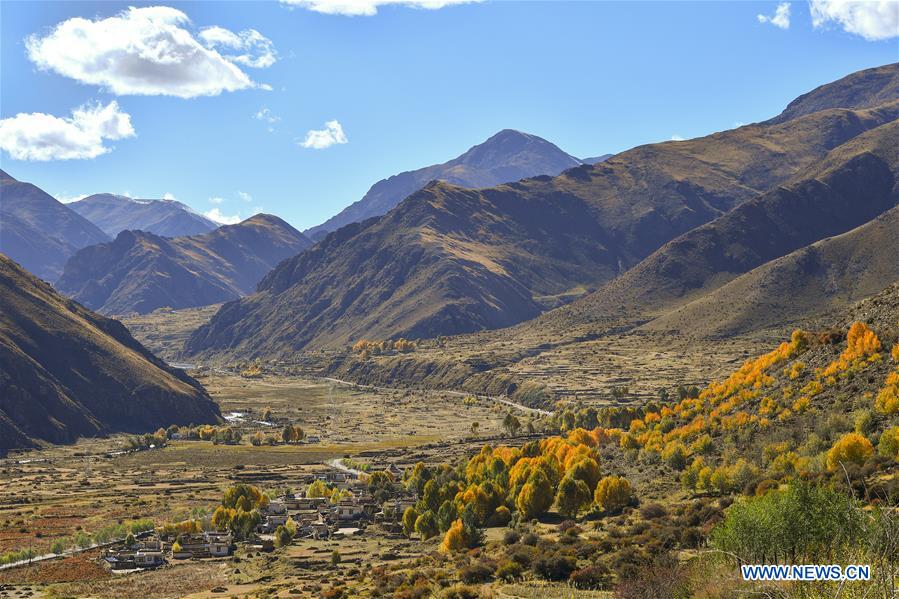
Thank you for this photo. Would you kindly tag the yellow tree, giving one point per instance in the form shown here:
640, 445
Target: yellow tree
851, 448
613, 493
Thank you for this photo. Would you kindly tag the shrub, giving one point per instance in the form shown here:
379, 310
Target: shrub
530, 539
477, 572
851, 448
554, 566
511, 537
888, 446
509, 571
651, 511
591, 577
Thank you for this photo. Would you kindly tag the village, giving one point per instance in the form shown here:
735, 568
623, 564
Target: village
304, 513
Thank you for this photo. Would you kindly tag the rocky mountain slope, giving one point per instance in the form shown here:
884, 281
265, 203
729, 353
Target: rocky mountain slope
449, 260
167, 218
140, 271
821, 277
856, 183
66, 372
507, 156
38, 231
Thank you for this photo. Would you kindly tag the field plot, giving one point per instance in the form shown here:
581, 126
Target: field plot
58, 492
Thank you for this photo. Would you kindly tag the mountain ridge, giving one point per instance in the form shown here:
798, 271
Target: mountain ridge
66, 372
39, 231
140, 271
506, 156
557, 237
116, 213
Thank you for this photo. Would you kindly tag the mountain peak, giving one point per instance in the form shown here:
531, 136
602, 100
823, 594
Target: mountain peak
167, 217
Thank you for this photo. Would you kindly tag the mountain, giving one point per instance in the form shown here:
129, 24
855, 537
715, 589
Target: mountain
507, 156
824, 276
596, 159
449, 260
38, 231
852, 186
167, 218
66, 372
140, 271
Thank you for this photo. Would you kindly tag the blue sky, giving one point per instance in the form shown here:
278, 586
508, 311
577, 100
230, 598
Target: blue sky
408, 86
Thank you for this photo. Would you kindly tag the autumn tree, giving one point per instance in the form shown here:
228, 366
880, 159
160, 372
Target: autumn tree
675, 455
535, 497
283, 536
888, 445
426, 525
573, 495
409, 518
850, 448
613, 493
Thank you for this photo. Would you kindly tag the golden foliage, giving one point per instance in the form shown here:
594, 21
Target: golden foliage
850, 448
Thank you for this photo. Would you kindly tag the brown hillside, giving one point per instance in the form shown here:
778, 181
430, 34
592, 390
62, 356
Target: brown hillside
449, 260
140, 272
827, 275
38, 231
66, 372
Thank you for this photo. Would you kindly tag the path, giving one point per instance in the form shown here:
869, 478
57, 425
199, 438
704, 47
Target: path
499, 399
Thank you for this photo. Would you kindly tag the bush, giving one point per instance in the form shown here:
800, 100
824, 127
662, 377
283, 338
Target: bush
477, 572
555, 566
509, 571
651, 511
511, 537
460, 591
530, 539
592, 577
851, 448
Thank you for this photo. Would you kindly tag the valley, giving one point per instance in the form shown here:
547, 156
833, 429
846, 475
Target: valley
512, 373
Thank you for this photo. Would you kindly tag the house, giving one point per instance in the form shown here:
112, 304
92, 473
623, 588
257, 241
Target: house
348, 509
320, 530
148, 559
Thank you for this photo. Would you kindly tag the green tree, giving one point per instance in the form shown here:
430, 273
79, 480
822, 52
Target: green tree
573, 495
409, 518
283, 536
426, 525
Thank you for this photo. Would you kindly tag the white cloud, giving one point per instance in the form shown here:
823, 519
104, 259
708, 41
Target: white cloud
147, 51
39, 136
676, 137
216, 200
216, 215
244, 196
169, 196
367, 7
781, 16
266, 115
255, 49
318, 139
871, 19
65, 198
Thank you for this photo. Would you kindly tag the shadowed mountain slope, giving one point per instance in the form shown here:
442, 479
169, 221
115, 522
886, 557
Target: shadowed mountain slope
38, 231
66, 372
140, 271
855, 184
827, 275
449, 260
167, 218
507, 156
